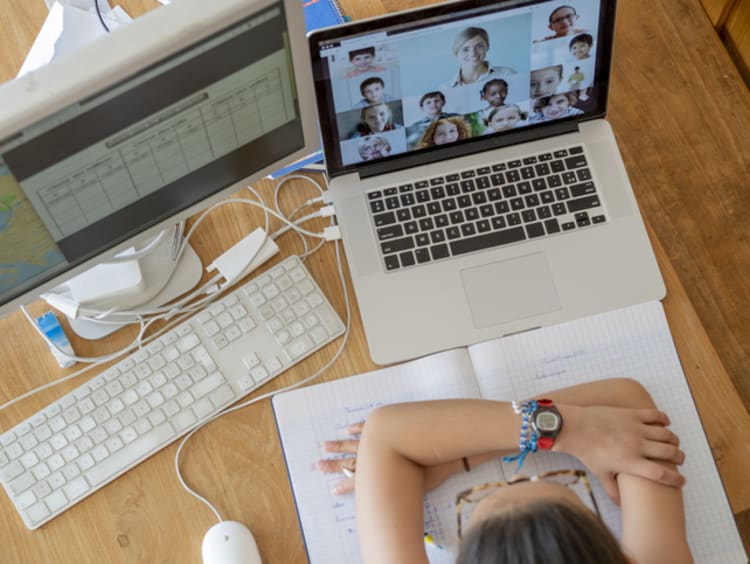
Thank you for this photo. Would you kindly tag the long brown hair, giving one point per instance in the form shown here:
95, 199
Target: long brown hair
542, 532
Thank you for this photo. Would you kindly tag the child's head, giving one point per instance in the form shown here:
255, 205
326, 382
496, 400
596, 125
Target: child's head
432, 103
494, 92
555, 106
362, 58
544, 82
373, 147
562, 20
504, 117
580, 45
372, 89
445, 130
378, 117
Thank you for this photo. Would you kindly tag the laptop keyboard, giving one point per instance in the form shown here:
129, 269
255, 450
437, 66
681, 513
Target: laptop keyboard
476, 209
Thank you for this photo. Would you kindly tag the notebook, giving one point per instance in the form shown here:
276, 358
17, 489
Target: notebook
478, 187
322, 13
633, 341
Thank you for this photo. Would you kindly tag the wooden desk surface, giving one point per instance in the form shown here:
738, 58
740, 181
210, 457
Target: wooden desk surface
675, 97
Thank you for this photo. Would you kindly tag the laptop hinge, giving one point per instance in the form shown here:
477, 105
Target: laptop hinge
442, 154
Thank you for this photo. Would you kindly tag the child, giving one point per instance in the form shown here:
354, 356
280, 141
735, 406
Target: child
575, 80
445, 130
375, 119
374, 148
494, 92
544, 82
555, 107
431, 104
362, 61
580, 46
562, 22
504, 118
373, 92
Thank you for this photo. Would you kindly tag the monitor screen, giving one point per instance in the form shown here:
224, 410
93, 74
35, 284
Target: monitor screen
456, 73
131, 156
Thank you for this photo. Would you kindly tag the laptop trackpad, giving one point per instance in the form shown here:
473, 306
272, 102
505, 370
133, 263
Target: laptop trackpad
511, 289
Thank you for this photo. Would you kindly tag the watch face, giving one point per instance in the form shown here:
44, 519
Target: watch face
547, 421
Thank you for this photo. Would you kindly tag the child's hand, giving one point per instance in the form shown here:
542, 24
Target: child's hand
614, 440
346, 465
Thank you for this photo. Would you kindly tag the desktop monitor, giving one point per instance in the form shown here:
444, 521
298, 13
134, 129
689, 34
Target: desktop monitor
102, 149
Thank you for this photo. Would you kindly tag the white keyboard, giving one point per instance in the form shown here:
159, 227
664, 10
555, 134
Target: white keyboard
122, 416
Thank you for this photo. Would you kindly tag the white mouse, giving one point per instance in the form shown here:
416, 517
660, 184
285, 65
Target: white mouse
229, 542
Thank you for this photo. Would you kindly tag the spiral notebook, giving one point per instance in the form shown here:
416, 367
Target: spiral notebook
322, 13
631, 342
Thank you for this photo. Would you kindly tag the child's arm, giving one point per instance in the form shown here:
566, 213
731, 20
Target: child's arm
400, 441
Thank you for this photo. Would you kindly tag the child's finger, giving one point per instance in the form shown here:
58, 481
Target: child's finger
329, 466
349, 446
343, 487
356, 429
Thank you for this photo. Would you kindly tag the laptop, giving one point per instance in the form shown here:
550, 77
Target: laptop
478, 188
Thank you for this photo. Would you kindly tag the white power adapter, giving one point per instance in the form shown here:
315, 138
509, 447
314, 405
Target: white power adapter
245, 256
106, 282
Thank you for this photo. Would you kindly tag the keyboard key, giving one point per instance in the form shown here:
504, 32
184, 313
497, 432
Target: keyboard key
487, 240
390, 232
407, 258
403, 215
582, 189
384, 219
535, 230
552, 226
583, 203
144, 445
396, 245
439, 251
422, 255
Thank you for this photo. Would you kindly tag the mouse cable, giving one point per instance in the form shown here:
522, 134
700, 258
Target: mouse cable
99, 13
257, 399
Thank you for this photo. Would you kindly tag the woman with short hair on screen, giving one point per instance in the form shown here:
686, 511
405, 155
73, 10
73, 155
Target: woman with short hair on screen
470, 47
611, 426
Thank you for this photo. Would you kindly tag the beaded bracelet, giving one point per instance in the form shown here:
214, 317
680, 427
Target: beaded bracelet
527, 441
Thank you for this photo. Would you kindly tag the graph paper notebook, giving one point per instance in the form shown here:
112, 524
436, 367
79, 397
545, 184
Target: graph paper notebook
633, 342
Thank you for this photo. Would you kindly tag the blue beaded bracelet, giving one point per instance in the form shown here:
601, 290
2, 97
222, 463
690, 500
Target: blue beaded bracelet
527, 441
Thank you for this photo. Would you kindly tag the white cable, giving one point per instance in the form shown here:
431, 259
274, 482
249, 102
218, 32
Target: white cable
325, 367
165, 309
253, 191
284, 180
286, 228
140, 253
94, 315
168, 311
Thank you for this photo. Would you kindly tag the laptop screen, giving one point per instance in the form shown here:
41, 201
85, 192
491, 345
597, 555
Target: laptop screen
457, 73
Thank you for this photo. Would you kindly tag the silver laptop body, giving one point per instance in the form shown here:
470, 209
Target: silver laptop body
414, 302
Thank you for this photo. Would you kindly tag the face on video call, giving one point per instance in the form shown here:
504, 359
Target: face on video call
478, 76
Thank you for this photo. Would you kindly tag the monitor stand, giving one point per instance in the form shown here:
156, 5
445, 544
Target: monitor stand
154, 268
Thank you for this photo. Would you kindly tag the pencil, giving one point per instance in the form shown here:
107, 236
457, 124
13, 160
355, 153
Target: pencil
429, 540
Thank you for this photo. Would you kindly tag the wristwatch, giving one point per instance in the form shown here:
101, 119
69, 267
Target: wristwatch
547, 423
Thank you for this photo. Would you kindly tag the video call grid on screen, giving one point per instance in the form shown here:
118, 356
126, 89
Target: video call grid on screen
402, 91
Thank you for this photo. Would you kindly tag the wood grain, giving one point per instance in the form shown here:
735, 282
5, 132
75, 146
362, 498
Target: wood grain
736, 36
718, 11
681, 116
